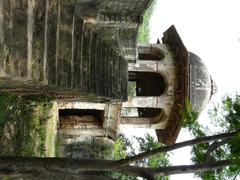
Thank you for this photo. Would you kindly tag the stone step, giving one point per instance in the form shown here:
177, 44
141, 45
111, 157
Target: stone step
93, 61
14, 45
77, 55
125, 81
64, 47
49, 44
110, 74
98, 67
85, 60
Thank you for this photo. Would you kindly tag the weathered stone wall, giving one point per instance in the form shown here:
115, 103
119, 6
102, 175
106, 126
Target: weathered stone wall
74, 48
87, 129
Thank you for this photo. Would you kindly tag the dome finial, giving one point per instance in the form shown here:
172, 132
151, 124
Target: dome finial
213, 87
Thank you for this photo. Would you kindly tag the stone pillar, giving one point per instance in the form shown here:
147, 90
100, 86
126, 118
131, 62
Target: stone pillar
112, 118
159, 122
162, 66
163, 101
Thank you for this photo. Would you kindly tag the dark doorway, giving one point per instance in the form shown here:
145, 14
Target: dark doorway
141, 112
148, 83
149, 57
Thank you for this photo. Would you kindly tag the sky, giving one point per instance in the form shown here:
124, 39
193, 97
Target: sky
210, 29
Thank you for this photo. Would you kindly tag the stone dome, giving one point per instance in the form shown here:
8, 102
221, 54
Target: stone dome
201, 85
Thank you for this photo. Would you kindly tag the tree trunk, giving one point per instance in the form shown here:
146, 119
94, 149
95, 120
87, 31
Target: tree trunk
62, 167
74, 168
35, 166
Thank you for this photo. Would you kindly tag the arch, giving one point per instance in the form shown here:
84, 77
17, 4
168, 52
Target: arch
144, 116
150, 53
149, 112
148, 83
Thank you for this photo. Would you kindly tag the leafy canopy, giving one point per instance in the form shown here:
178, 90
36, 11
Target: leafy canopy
226, 118
125, 147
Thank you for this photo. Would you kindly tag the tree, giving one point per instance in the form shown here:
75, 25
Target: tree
226, 118
126, 147
144, 30
209, 158
32, 166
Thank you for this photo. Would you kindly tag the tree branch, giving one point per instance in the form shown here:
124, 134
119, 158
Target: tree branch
235, 177
42, 167
215, 145
137, 171
206, 166
165, 149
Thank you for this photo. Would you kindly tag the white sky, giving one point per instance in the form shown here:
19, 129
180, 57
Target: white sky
210, 29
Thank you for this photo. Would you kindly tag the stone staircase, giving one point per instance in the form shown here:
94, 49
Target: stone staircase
47, 48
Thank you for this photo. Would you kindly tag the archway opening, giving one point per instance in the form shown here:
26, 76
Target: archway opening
148, 57
149, 112
146, 83
140, 112
141, 116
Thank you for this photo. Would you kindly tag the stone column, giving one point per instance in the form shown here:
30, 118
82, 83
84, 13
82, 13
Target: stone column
162, 102
112, 120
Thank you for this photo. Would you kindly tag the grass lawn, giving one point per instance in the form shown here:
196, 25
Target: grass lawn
23, 125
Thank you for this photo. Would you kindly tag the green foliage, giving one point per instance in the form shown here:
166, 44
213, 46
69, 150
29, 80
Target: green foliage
131, 88
125, 147
189, 120
22, 125
149, 143
102, 151
226, 118
120, 149
189, 117
231, 113
235, 146
58, 144
144, 30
